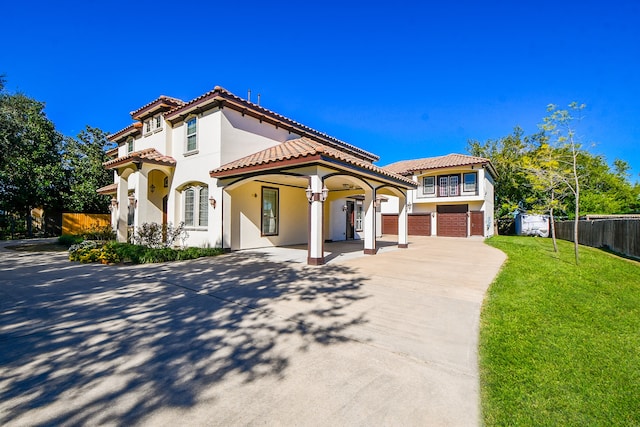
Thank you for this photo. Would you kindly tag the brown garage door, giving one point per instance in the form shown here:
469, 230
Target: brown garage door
419, 224
452, 220
477, 223
389, 224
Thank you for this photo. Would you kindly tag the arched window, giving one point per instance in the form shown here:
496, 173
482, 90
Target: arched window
196, 206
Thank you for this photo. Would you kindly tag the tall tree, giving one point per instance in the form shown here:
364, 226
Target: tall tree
31, 173
84, 156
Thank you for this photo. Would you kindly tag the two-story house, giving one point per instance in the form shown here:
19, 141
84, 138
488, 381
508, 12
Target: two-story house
454, 197
240, 176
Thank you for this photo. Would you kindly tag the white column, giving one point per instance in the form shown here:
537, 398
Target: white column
122, 210
370, 222
142, 191
403, 225
226, 220
316, 223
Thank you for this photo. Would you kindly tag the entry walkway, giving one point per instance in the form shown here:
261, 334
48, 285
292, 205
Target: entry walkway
333, 251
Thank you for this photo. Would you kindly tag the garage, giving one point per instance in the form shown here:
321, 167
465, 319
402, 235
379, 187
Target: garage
452, 220
418, 224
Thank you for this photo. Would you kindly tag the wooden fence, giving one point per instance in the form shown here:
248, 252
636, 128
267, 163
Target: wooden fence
76, 223
618, 235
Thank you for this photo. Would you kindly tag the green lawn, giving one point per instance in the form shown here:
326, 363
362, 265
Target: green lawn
560, 344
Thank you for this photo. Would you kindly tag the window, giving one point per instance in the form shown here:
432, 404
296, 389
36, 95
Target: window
192, 135
196, 206
449, 185
470, 182
270, 218
130, 145
153, 124
453, 185
443, 185
157, 122
147, 126
359, 215
429, 185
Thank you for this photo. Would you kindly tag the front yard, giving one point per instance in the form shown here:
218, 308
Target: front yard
560, 344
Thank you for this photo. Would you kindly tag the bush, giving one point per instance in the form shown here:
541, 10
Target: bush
154, 235
114, 253
69, 239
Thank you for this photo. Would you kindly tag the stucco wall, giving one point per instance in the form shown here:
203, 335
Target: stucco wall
246, 217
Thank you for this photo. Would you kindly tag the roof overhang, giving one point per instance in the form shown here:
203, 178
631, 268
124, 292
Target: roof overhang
138, 158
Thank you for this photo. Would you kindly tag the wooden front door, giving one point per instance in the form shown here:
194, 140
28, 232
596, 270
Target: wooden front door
477, 223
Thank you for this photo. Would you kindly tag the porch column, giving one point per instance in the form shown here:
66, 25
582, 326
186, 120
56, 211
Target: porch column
142, 197
122, 210
370, 222
316, 221
403, 241
226, 220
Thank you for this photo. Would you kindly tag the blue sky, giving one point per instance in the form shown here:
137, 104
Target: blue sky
403, 79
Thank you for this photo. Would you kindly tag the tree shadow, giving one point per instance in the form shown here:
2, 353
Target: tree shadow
111, 344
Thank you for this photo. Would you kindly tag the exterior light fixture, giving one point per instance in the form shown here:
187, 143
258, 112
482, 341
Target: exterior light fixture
212, 202
113, 205
311, 196
324, 194
309, 193
133, 202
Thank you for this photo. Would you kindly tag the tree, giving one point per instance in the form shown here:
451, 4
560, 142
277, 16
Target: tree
31, 173
84, 156
558, 126
512, 186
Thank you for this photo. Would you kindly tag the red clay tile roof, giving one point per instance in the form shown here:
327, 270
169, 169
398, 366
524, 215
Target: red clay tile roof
407, 167
108, 189
149, 155
164, 100
220, 94
129, 130
301, 148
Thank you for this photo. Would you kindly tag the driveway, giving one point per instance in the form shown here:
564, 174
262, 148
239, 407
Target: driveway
245, 339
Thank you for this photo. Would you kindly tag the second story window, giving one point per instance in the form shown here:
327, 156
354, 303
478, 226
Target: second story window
470, 182
192, 135
448, 185
429, 185
130, 145
157, 122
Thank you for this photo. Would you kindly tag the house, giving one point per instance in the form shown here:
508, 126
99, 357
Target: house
240, 176
454, 197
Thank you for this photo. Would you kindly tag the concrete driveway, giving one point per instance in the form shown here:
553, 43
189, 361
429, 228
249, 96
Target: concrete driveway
245, 339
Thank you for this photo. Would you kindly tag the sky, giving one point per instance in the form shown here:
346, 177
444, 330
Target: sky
402, 79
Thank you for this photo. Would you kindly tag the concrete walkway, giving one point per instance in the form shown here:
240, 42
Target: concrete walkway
245, 339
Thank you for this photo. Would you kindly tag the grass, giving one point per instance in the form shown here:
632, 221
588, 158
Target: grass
560, 343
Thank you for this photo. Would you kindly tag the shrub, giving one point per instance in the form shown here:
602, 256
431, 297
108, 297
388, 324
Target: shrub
154, 235
70, 239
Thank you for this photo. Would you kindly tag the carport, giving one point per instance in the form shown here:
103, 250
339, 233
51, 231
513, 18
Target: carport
296, 193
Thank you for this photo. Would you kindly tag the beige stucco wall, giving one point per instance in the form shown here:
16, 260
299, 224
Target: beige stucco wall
246, 217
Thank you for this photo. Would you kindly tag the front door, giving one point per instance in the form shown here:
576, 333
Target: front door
350, 220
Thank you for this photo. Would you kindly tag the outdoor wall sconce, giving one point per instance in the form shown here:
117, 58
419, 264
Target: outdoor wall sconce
133, 202
433, 214
311, 196
344, 208
152, 188
212, 202
113, 205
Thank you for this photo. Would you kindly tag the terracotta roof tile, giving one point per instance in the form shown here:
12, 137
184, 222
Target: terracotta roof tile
108, 189
149, 155
129, 130
407, 167
173, 103
221, 92
301, 148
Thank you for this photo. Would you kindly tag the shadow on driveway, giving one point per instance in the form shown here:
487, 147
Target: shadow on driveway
92, 344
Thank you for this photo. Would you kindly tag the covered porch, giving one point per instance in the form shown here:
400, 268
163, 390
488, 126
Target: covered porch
302, 192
